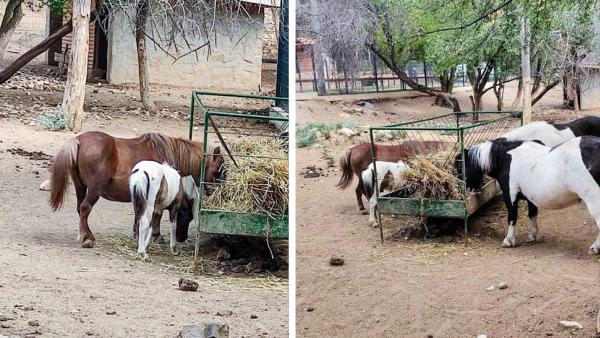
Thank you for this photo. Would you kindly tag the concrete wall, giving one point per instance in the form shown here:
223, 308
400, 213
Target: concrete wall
29, 32
590, 95
234, 64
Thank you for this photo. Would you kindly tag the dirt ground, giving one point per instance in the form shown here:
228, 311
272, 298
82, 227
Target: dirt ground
433, 287
51, 287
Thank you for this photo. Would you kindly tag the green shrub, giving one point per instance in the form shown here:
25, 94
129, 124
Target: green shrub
306, 135
54, 120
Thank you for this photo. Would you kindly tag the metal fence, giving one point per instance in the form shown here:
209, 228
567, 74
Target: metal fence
373, 76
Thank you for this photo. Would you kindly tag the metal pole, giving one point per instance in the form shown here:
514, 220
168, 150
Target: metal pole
191, 116
425, 72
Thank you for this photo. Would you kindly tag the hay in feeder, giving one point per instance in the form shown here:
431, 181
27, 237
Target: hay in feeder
429, 176
259, 185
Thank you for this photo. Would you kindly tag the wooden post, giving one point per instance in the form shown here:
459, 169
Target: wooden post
526, 66
72, 105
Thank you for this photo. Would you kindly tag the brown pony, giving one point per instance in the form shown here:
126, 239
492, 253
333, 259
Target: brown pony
358, 157
99, 166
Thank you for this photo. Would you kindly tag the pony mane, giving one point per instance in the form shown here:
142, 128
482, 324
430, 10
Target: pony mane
180, 153
490, 155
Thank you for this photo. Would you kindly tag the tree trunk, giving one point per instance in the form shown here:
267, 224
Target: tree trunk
447, 85
391, 64
142, 55
12, 16
317, 49
515, 103
543, 92
72, 105
526, 66
35, 51
499, 92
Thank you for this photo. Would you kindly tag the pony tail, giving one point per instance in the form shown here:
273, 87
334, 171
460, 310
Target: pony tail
346, 169
367, 178
139, 201
63, 167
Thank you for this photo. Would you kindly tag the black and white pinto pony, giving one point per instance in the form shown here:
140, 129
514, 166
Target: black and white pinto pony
546, 177
387, 172
553, 134
155, 187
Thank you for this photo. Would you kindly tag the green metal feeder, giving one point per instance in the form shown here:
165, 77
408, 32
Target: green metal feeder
229, 222
460, 131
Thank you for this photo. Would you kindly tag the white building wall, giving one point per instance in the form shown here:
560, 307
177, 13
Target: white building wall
233, 65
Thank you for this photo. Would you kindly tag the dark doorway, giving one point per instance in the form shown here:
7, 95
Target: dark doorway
100, 49
56, 21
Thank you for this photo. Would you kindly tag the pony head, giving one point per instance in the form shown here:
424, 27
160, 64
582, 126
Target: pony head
477, 163
185, 215
215, 169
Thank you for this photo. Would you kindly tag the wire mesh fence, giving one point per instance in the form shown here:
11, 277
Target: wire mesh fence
441, 139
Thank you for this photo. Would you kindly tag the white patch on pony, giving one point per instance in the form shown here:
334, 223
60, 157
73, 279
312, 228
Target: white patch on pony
541, 131
554, 179
383, 168
511, 237
480, 155
151, 184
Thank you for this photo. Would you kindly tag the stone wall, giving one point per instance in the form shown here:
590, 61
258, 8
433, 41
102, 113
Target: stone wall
29, 32
234, 63
590, 95
271, 29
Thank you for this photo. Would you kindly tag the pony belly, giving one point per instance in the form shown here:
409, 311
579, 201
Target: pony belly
555, 200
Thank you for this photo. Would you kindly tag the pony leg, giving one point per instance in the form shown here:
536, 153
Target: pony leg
372, 206
360, 191
86, 236
155, 223
144, 235
534, 231
594, 209
172, 219
511, 236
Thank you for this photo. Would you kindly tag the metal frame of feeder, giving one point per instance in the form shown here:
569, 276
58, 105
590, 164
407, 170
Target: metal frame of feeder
427, 207
231, 222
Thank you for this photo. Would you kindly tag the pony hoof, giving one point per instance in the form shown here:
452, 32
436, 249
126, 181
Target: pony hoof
175, 251
594, 250
373, 224
364, 212
533, 238
508, 243
159, 239
87, 243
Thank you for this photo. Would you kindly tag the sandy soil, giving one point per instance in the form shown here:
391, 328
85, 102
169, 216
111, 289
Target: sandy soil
72, 292
434, 287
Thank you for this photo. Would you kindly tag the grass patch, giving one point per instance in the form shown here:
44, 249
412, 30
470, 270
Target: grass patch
307, 135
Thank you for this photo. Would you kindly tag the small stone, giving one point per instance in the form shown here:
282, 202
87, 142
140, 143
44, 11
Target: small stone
111, 312
253, 316
310, 309
28, 308
187, 285
33, 323
568, 324
5, 325
4, 318
482, 336
549, 334
336, 261
89, 333
502, 286
225, 313
490, 288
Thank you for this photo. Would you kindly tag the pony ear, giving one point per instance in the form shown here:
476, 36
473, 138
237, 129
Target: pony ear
217, 151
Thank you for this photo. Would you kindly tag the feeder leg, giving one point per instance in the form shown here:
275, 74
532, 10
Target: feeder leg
380, 223
466, 231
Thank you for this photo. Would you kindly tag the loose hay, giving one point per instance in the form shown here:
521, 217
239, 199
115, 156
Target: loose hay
259, 185
428, 176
